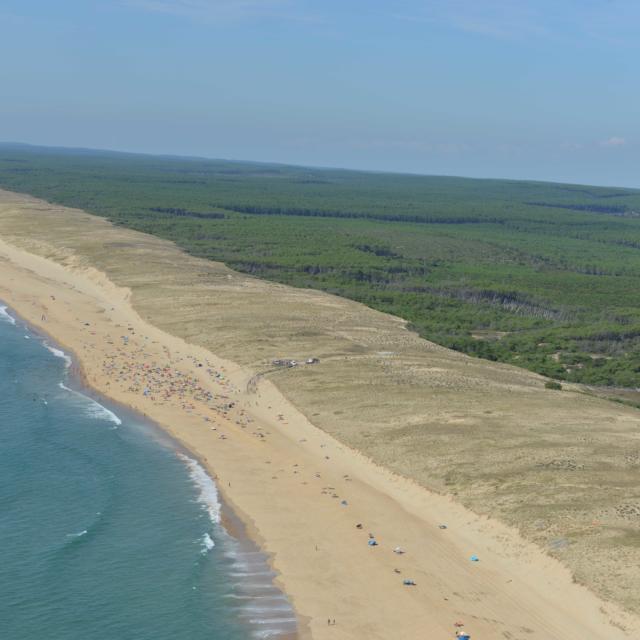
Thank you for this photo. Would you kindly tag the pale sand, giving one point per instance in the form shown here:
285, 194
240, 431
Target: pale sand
268, 466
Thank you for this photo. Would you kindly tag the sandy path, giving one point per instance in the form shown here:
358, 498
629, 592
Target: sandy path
281, 474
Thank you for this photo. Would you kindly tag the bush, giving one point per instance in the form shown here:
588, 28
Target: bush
552, 384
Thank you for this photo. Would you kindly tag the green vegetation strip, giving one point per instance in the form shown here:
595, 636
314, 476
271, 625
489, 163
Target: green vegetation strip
540, 275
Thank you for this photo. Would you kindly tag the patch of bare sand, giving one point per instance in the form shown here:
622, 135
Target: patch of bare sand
562, 467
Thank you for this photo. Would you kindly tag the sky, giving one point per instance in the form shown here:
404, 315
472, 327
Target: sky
536, 89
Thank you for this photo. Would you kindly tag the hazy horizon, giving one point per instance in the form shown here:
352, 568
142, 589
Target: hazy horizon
498, 89
59, 148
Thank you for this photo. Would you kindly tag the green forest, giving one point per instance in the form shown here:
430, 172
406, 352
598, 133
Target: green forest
541, 275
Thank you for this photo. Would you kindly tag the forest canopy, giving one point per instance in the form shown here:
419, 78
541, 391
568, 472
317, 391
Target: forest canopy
540, 275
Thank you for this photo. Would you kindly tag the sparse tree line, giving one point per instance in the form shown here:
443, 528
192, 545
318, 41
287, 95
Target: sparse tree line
174, 211
616, 210
387, 217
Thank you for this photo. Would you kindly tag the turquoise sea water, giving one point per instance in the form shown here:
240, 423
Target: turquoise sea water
107, 531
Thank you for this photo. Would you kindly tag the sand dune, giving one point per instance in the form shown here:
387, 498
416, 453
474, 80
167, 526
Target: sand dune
383, 415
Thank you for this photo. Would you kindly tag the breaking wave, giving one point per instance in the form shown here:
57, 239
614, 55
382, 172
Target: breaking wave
5, 316
207, 490
92, 408
207, 543
58, 353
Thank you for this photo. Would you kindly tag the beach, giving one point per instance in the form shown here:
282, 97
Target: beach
109, 529
312, 501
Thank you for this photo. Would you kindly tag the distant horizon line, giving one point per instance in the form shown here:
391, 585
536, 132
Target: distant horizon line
174, 156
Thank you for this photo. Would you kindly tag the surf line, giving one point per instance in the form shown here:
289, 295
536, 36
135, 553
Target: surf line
94, 408
5, 315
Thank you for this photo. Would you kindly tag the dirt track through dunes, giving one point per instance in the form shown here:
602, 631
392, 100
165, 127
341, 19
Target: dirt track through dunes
560, 466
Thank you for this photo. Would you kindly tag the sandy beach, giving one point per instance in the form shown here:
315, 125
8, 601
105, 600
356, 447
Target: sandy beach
313, 501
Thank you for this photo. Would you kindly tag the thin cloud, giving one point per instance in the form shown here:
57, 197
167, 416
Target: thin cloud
496, 18
614, 141
612, 21
216, 9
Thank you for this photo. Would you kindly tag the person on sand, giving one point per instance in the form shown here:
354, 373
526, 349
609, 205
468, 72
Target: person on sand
461, 634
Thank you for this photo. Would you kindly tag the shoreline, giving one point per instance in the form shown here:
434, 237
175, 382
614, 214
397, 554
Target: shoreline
229, 522
235, 523
395, 506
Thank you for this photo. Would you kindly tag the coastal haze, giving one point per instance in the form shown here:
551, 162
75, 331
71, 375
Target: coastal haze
557, 466
534, 90
320, 320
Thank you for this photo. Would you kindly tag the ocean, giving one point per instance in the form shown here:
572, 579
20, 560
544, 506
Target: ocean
108, 531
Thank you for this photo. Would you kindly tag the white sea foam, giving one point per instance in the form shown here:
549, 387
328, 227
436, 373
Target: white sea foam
251, 586
278, 632
280, 597
273, 617
96, 410
252, 610
272, 620
58, 353
77, 535
5, 316
92, 408
208, 492
207, 543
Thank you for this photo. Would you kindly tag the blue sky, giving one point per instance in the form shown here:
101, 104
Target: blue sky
535, 89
